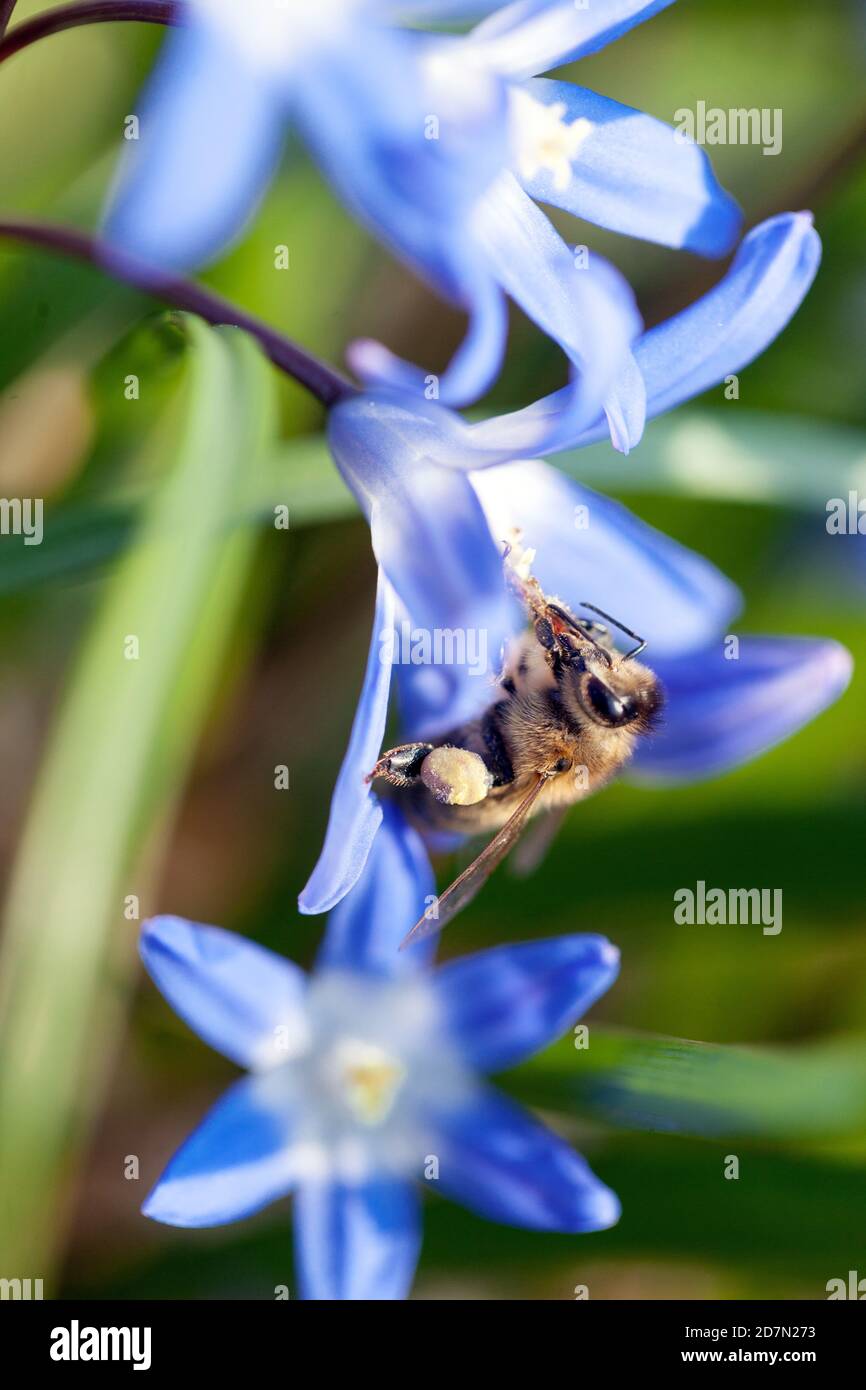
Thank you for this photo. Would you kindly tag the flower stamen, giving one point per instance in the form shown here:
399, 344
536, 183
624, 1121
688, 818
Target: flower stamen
544, 140
367, 1078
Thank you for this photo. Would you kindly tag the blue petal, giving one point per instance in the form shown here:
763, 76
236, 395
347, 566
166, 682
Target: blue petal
498, 1161
585, 306
720, 333
437, 697
234, 994
590, 549
632, 174
475, 364
547, 425
427, 526
236, 1162
503, 1005
356, 813
356, 1243
720, 712
210, 138
435, 9
369, 126
435, 700
732, 324
532, 36
366, 928
625, 407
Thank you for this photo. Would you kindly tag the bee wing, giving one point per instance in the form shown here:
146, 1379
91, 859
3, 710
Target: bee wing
464, 888
536, 842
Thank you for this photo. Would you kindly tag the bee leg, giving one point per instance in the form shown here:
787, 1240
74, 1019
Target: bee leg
544, 634
401, 766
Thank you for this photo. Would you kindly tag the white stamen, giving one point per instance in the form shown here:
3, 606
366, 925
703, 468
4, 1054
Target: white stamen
519, 558
543, 140
367, 1078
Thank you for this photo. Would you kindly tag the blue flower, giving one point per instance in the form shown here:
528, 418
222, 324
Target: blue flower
573, 149
440, 144
442, 497
367, 1077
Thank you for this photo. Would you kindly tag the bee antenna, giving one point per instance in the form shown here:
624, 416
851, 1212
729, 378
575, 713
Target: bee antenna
641, 641
576, 626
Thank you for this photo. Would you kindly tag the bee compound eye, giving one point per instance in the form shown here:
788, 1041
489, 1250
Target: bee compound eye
611, 709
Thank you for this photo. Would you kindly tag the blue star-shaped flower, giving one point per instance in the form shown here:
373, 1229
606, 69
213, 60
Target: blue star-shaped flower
368, 1077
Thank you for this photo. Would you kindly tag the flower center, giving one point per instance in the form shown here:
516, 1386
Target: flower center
367, 1078
544, 141
271, 33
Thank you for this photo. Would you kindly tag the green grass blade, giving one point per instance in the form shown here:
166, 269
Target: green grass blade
116, 761
738, 456
701, 1089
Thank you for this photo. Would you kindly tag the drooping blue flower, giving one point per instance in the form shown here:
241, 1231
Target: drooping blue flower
574, 149
368, 1077
442, 497
440, 143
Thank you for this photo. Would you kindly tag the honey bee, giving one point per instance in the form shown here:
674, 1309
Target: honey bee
566, 715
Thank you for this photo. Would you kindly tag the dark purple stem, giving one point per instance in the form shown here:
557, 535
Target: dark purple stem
86, 12
6, 8
326, 384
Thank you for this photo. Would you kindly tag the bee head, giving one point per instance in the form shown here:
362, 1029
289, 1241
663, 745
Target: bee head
597, 682
614, 696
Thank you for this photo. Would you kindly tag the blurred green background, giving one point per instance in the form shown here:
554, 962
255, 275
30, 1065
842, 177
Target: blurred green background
161, 785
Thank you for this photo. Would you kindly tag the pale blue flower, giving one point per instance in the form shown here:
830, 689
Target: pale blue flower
440, 144
367, 1077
